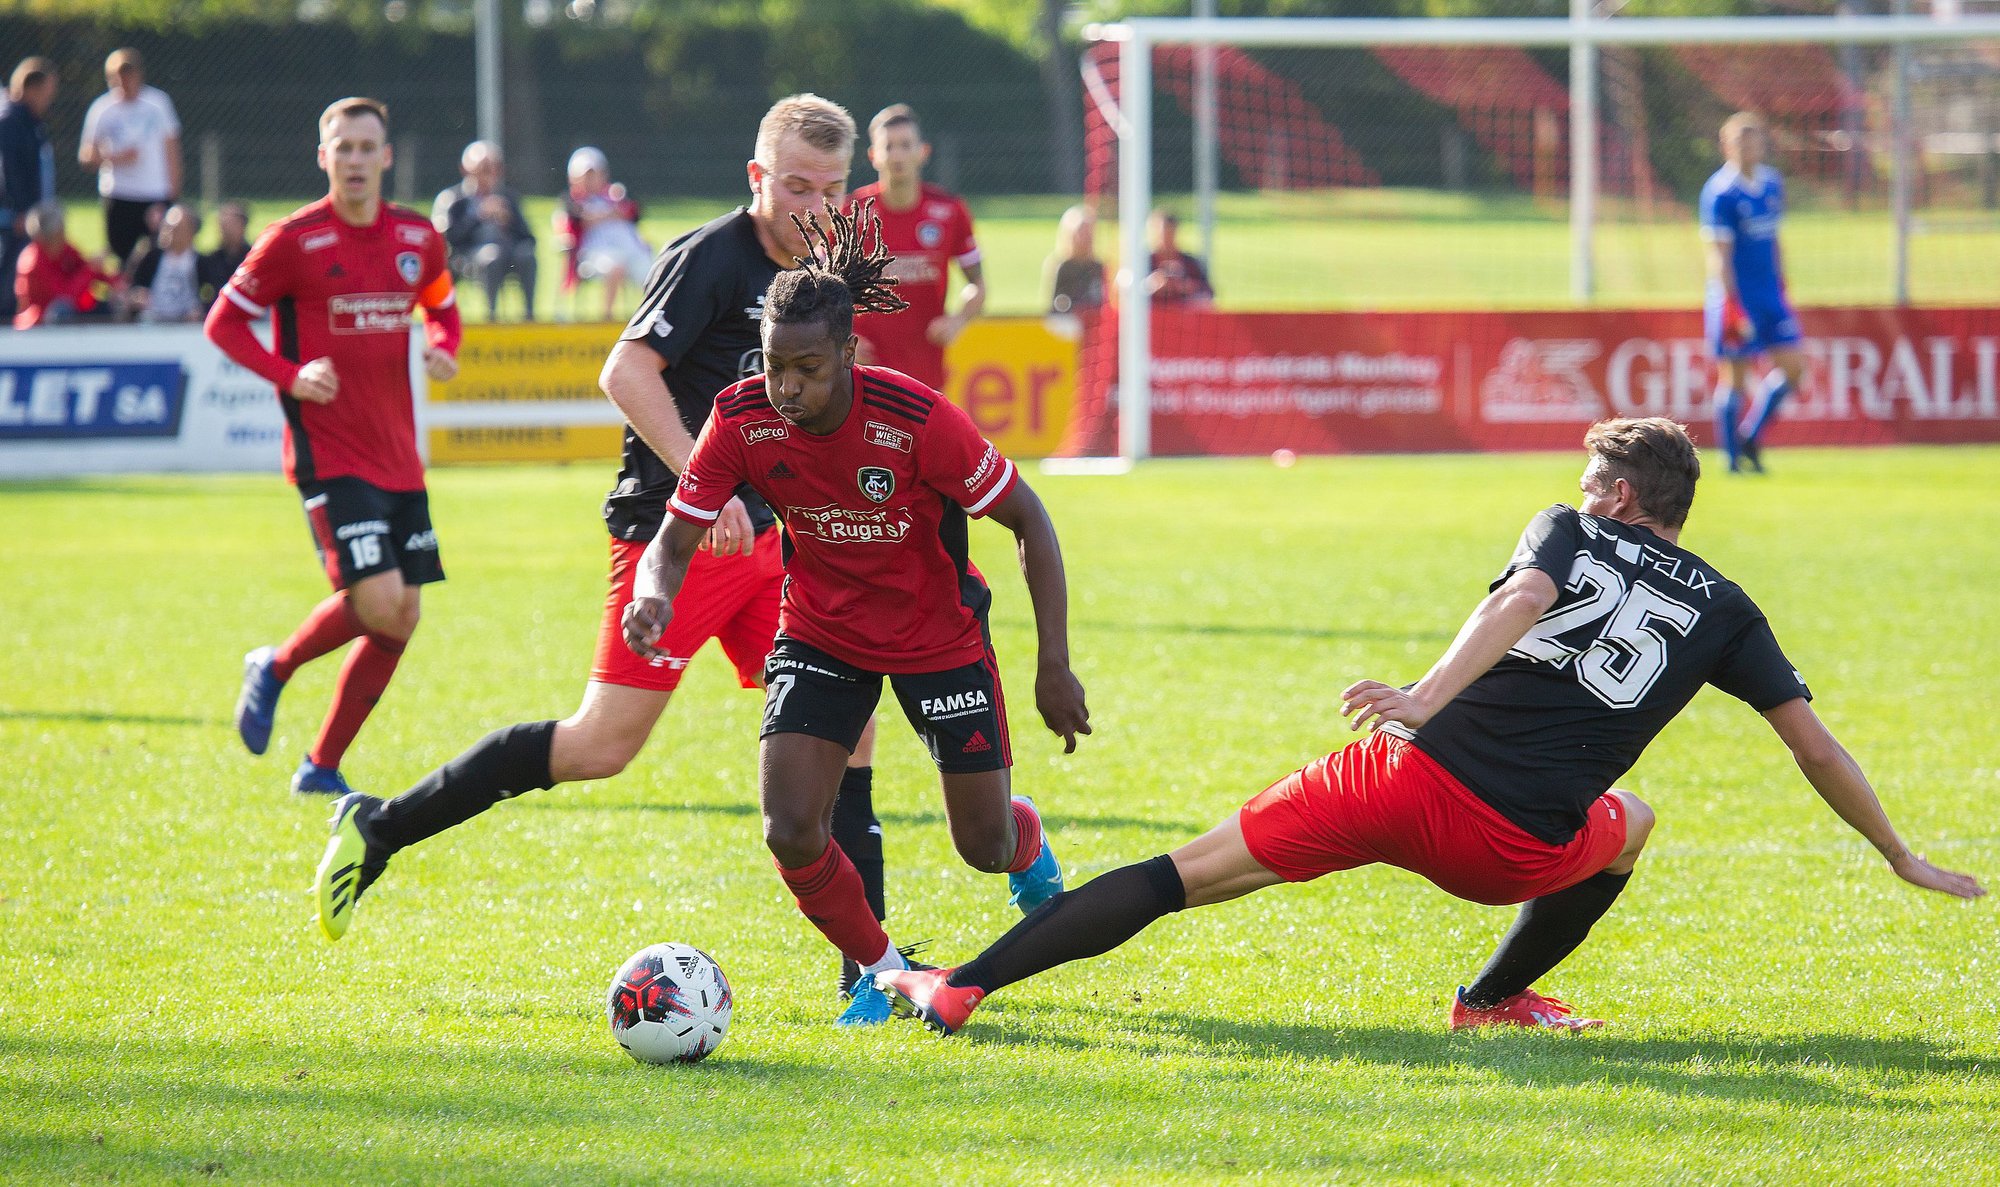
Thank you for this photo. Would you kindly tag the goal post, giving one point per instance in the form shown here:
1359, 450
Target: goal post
1583, 34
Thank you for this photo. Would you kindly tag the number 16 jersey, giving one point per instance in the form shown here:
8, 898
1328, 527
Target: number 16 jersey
1638, 626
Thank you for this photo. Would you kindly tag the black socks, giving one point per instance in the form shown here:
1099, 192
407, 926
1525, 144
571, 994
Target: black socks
1088, 921
1548, 929
499, 766
859, 835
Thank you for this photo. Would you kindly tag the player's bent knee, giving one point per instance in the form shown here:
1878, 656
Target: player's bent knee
987, 854
1638, 829
796, 841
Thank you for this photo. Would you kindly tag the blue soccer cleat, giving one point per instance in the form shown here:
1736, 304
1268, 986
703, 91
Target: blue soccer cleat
868, 1005
1041, 881
313, 779
257, 704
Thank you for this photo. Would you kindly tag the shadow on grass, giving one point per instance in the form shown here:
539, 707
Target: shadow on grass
1254, 631
1721, 1067
98, 717
1055, 820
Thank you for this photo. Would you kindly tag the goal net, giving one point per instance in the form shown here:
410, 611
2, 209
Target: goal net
1421, 178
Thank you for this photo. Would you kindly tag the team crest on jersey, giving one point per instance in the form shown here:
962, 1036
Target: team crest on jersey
409, 265
930, 234
877, 483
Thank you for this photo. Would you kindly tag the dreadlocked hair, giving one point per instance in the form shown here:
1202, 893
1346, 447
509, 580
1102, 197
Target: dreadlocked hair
845, 269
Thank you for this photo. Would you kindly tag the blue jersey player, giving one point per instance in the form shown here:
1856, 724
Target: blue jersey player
1747, 315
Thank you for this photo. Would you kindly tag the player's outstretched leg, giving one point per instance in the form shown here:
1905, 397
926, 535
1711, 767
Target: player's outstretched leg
368, 831
1088, 921
1546, 931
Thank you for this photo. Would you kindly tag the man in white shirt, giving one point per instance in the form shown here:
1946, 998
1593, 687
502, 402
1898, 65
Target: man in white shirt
132, 137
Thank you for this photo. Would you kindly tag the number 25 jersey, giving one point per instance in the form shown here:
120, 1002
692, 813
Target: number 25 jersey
876, 567
1638, 626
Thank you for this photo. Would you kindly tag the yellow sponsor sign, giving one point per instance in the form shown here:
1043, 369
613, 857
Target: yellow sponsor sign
1015, 378
525, 364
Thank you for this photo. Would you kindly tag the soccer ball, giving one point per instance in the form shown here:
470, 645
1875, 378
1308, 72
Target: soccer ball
670, 1003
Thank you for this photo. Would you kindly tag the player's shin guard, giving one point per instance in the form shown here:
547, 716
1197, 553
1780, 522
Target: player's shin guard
331, 624
829, 894
499, 766
364, 677
859, 835
1088, 921
1548, 929
1728, 425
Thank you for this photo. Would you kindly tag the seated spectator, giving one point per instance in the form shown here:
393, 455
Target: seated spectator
166, 282
1076, 275
484, 230
215, 268
53, 283
600, 228
1176, 278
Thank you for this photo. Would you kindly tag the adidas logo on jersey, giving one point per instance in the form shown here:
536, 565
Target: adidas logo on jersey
976, 744
781, 470
976, 699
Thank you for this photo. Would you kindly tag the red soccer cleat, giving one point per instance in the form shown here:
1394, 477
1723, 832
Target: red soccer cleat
923, 994
1526, 1008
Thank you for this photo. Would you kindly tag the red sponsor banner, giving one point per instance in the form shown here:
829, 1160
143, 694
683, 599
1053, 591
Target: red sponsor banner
1246, 383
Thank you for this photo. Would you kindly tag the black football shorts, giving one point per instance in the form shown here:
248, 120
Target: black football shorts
361, 530
959, 713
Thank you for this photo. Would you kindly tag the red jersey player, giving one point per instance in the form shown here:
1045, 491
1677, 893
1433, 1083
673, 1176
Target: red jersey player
926, 229
875, 476
340, 278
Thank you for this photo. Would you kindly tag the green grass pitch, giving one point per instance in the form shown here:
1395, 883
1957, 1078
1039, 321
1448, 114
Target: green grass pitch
1784, 1009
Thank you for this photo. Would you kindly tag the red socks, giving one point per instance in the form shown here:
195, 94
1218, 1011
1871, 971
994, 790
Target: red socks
331, 624
1027, 835
362, 679
829, 894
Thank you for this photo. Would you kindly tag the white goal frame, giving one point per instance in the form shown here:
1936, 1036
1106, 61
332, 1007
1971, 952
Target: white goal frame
1583, 33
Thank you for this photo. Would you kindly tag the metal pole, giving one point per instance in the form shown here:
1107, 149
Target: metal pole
1204, 141
1135, 200
486, 70
1582, 156
1900, 140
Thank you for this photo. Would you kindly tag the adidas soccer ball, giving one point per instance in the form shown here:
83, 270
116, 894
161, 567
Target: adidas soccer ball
670, 1003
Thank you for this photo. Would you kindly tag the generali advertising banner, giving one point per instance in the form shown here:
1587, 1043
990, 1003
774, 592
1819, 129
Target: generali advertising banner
1226, 383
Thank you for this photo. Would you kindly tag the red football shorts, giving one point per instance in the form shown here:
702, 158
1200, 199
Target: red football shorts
1382, 799
731, 599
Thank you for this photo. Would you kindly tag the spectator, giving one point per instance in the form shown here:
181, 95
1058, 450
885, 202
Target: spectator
27, 163
601, 224
484, 229
53, 283
232, 220
1076, 275
1176, 278
132, 137
166, 286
